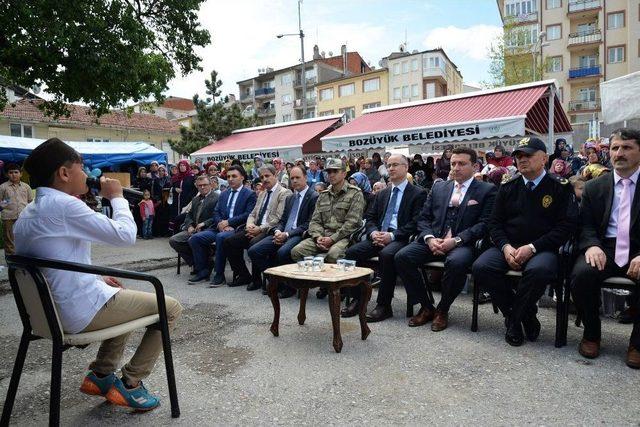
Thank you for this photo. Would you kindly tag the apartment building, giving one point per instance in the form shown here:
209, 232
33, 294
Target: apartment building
421, 75
352, 95
580, 42
276, 96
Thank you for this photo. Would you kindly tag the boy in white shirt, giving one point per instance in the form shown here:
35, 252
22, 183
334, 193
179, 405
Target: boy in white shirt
58, 225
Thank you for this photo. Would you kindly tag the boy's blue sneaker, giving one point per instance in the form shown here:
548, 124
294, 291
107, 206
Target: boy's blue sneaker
96, 386
137, 398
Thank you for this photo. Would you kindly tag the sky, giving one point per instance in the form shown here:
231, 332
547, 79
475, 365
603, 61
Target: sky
243, 35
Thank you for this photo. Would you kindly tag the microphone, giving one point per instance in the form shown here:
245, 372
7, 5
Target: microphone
94, 183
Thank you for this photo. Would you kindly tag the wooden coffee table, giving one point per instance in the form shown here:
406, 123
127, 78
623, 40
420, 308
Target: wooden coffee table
332, 279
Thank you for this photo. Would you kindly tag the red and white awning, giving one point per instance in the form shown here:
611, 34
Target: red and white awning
285, 140
495, 113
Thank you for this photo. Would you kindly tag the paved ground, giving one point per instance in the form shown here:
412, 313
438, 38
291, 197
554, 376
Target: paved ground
232, 371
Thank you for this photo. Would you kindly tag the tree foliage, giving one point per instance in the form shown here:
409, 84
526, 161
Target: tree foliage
215, 119
99, 52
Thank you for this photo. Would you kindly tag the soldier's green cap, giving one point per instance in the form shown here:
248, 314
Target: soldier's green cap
332, 163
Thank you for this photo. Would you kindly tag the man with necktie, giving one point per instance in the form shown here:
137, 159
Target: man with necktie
534, 214
390, 222
265, 215
231, 212
298, 209
610, 240
453, 218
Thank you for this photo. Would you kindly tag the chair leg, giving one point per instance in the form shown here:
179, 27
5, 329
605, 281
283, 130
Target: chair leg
171, 378
56, 382
15, 379
559, 315
476, 302
425, 279
179, 262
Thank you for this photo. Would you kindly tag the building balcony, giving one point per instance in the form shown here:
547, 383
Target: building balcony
266, 112
311, 81
584, 38
523, 18
584, 73
434, 73
311, 102
265, 92
246, 97
583, 8
580, 106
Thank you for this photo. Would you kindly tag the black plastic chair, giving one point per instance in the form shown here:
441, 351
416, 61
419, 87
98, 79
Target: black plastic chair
40, 320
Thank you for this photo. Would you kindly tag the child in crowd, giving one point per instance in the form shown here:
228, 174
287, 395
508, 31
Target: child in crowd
147, 211
578, 184
14, 197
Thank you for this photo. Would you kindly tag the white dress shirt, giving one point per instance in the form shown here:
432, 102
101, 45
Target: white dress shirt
61, 227
302, 193
394, 218
612, 228
463, 189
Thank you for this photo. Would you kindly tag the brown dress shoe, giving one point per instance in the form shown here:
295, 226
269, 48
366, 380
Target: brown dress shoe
424, 315
440, 321
633, 357
589, 349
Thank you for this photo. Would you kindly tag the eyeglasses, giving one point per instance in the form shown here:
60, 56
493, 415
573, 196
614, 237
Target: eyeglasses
394, 165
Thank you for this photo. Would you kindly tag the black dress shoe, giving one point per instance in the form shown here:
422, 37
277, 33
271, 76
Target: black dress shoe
380, 313
286, 292
241, 281
514, 335
531, 327
254, 286
350, 310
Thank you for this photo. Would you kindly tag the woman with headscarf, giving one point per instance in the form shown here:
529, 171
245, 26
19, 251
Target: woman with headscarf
417, 164
443, 164
142, 180
361, 181
421, 180
182, 188
561, 168
258, 162
162, 186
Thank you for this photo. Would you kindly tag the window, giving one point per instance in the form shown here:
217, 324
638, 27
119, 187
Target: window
311, 94
269, 85
97, 139
414, 64
325, 113
371, 85
554, 4
434, 62
554, 32
519, 7
430, 90
405, 67
349, 111
615, 20
326, 94
20, 130
310, 115
396, 68
522, 36
286, 99
270, 121
616, 54
346, 90
396, 93
414, 91
286, 79
405, 92
555, 64
587, 94
371, 105
286, 117
588, 61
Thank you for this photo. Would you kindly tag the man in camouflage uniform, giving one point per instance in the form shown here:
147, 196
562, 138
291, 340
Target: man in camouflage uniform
338, 213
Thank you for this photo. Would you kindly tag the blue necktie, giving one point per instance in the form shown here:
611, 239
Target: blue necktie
263, 209
233, 195
391, 208
530, 185
293, 214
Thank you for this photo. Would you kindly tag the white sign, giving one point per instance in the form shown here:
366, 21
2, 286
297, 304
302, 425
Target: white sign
513, 126
288, 153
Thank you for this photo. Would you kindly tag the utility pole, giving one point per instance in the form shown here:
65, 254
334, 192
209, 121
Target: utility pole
304, 77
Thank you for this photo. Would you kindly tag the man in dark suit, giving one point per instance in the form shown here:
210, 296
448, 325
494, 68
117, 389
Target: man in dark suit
610, 240
390, 221
199, 217
298, 209
452, 219
534, 214
233, 208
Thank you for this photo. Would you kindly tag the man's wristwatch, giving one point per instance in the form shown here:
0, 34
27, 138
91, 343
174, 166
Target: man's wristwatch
533, 248
458, 241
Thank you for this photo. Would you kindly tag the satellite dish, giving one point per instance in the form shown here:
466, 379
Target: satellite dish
36, 89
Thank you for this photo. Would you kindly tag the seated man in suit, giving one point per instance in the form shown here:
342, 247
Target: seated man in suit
231, 212
453, 218
337, 215
534, 214
288, 232
199, 218
390, 222
265, 215
610, 240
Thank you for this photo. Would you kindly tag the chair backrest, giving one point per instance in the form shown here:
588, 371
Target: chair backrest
35, 303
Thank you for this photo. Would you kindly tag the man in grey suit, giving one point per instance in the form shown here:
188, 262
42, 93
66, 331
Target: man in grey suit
200, 217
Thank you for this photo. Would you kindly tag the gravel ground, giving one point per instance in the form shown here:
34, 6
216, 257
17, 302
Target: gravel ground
232, 371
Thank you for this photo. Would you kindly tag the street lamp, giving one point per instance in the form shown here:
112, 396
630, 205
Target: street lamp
300, 33
534, 51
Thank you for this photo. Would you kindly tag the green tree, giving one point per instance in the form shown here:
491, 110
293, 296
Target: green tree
99, 52
215, 119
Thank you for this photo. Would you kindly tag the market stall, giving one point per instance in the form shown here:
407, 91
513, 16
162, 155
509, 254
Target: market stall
289, 140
